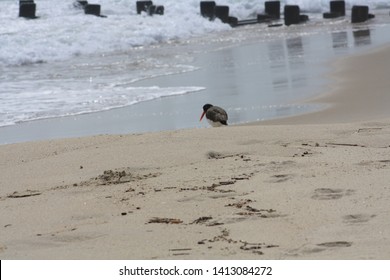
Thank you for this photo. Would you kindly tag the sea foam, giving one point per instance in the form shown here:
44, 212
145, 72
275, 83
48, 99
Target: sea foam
63, 31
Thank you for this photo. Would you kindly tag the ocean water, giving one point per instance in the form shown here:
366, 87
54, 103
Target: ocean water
67, 64
63, 32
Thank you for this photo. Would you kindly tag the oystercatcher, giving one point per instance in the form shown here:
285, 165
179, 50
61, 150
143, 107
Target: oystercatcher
215, 115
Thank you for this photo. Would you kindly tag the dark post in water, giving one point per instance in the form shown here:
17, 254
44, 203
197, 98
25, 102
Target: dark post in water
271, 11
359, 14
27, 9
142, 6
207, 9
92, 9
272, 8
222, 12
292, 15
337, 9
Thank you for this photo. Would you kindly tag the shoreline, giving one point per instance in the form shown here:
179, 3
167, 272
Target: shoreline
269, 78
348, 100
345, 101
308, 187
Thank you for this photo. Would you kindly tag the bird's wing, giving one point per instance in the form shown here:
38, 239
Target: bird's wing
217, 114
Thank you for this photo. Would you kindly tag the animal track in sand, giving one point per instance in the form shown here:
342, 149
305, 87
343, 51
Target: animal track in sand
318, 248
113, 177
280, 178
69, 238
357, 218
254, 248
239, 204
180, 251
335, 244
157, 220
201, 220
69, 234
275, 166
262, 213
214, 187
345, 145
329, 194
251, 211
26, 193
121, 176
368, 129
218, 155
379, 164
206, 220
305, 153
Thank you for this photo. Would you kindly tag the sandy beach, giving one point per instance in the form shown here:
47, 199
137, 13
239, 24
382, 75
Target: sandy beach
314, 186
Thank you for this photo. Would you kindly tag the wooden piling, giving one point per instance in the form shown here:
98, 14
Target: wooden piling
207, 9
27, 9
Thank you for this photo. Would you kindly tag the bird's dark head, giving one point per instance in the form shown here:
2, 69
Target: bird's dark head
206, 107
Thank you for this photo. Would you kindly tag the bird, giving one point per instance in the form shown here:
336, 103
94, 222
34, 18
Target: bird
215, 115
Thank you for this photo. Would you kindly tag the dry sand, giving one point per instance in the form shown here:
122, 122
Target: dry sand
315, 190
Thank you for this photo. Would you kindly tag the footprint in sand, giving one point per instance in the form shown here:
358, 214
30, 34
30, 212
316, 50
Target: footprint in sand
369, 130
23, 194
118, 176
320, 247
357, 218
68, 238
378, 164
280, 178
335, 244
218, 155
68, 235
329, 194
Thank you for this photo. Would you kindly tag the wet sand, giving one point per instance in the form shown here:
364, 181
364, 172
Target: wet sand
314, 188
357, 92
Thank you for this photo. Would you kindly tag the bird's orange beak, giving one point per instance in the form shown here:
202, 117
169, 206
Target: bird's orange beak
201, 117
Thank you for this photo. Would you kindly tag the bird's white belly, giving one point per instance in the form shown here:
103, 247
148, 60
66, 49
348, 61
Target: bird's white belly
214, 124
